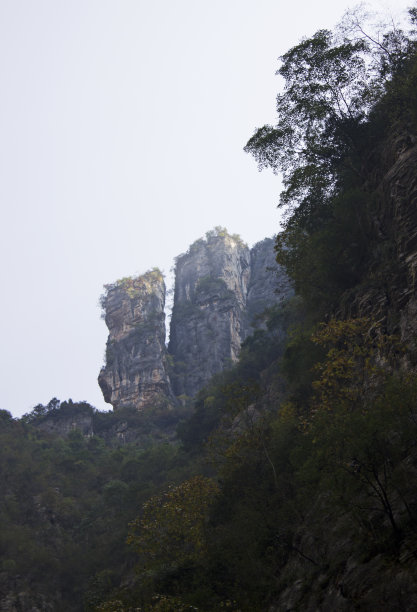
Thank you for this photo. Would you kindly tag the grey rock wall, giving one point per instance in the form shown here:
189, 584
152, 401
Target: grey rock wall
135, 372
211, 282
268, 284
221, 288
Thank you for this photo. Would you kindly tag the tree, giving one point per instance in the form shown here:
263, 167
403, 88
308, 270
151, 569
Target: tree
357, 363
320, 144
331, 82
172, 527
362, 421
326, 93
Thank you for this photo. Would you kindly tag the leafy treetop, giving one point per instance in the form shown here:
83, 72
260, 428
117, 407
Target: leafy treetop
331, 81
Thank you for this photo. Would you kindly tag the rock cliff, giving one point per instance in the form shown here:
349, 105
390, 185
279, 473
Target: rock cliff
211, 282
387, 289
135, 373
221, 288
268, 284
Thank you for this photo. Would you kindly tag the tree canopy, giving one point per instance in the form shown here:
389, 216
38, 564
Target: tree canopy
342, 90
331, 82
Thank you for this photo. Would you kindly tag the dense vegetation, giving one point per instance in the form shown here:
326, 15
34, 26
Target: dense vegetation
292, 482
346, 92
66, 503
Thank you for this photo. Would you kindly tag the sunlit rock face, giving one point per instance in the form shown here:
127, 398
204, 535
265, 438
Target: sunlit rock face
211, 282
135, 370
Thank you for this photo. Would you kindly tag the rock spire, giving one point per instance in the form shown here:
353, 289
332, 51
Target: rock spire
135, 372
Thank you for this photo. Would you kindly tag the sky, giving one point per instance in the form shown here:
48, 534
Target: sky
122, 127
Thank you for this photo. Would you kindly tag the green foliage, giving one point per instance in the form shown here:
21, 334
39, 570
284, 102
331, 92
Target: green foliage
171, 530
361, 457
331, 82
356, 364
359, 429
210, 237
324, 96
221, 232
342, 92
199, 544
217, 232
325, 251
69, 498
133, 286
55, 408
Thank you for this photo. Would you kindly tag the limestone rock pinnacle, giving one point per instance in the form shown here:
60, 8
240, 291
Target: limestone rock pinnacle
210, 297
135, 371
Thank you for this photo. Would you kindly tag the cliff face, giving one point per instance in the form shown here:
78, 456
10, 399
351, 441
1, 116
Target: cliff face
220, 289
398, 191
387, 291
209, 300
66, 424
268, 284
135, 370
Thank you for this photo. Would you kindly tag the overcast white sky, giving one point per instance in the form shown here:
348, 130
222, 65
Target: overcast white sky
122, 124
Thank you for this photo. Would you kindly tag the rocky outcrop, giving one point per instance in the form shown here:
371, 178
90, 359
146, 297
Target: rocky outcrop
135, 373
398, 189
211, 282
221, 288
268, 284
387, 291
63, 425
116, 428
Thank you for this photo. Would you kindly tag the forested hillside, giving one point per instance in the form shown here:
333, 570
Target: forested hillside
291, 484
